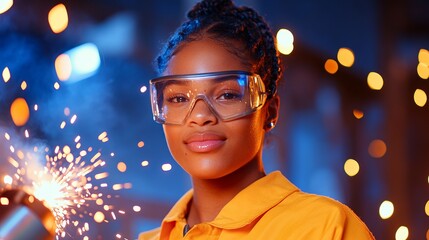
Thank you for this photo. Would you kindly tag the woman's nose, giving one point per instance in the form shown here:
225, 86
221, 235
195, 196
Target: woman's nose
201, 114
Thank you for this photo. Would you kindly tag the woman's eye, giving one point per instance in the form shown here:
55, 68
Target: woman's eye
230, 96
177, 99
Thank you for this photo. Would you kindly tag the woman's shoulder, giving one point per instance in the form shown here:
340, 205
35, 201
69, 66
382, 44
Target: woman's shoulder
316, 205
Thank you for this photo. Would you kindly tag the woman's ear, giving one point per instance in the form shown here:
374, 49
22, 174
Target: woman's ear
272, 113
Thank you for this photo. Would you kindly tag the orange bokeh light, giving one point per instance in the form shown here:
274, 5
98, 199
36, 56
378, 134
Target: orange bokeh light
20, 112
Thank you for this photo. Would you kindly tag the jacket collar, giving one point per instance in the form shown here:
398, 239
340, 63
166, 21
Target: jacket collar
245, 207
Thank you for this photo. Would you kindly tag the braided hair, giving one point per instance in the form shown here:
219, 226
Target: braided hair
223, 21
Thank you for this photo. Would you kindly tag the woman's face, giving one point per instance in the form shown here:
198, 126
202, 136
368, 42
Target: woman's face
205, 146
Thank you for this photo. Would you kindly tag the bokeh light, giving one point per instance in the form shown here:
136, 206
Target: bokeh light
137, 208
145, 163
23, 85
140, 144
420, 97
351, 167
358, 114
7, 179
58, 18
424, 56
20, 112
63, 67
375, 81
143, 89
5, 5
331, 66
386, 209
99, 217
6, 74
346, 57
423, 70
122, 167
401, 233
285, 41
166, 167
377, 148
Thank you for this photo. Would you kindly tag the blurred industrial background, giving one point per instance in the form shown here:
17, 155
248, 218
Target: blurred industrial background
354, 118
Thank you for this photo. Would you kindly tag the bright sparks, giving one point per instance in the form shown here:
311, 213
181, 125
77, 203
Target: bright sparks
64, 184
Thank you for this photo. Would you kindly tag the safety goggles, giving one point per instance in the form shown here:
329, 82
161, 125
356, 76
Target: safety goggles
229, 95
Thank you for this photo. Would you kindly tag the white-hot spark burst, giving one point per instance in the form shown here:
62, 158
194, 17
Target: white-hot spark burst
68, 183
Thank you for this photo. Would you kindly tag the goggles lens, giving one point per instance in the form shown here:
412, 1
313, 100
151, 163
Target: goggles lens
229, 95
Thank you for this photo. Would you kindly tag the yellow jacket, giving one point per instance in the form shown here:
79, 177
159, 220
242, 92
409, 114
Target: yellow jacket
270, 208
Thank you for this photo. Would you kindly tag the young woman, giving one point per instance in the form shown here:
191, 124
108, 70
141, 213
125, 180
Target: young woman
216, 99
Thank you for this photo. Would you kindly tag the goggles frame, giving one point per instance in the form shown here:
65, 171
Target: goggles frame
255, 86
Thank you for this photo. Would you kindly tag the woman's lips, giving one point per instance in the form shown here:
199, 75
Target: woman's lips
204, 142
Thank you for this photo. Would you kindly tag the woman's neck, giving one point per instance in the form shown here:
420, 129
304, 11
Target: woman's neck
211, 195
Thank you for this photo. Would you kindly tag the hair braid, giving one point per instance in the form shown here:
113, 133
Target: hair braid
222, 20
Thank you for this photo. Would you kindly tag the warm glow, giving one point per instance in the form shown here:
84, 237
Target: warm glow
63, 67
358, 114
351, 167
140, 144
145, 163
285, 41
20, 112
401, 233
56, 86
6, 73
58, 18
377, 148
166, 167
331, 66
424, 56
386, 209
51, 192
346, 57
122, 167
99, 217
5, 5
375, 81
420, 97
